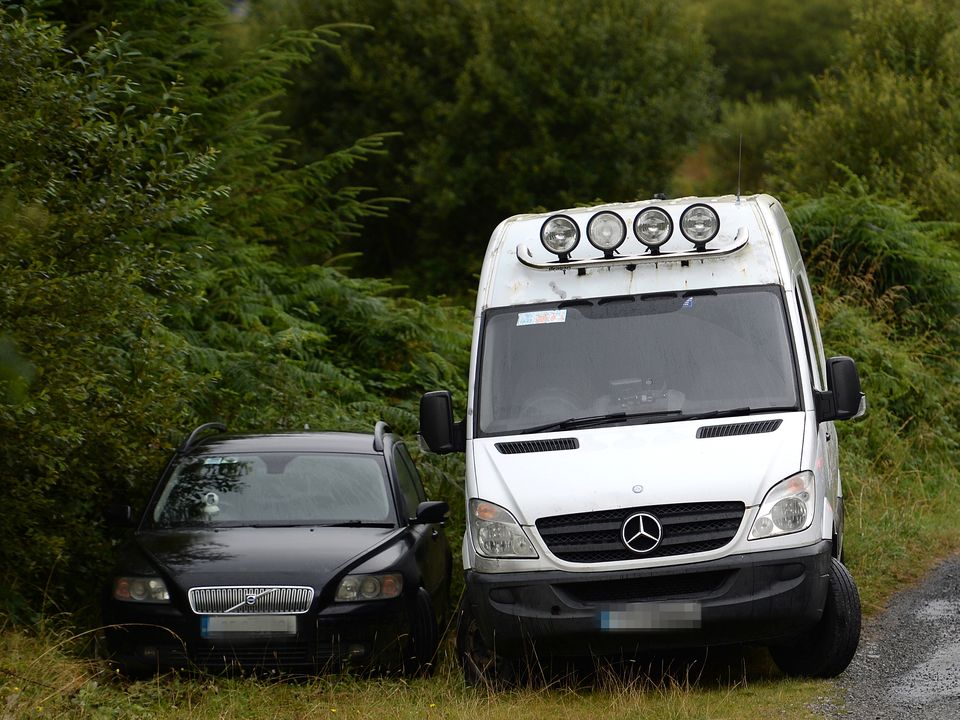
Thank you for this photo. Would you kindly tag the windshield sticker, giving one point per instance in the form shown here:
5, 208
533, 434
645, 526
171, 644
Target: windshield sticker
688, 303
541, 317
219, 460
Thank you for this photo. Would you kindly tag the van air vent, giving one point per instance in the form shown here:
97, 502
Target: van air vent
530, 446
747, 428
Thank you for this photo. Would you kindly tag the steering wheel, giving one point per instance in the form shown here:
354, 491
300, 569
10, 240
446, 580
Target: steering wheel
552, 403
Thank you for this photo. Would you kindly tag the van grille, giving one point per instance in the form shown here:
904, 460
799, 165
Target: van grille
645, 589
235, 600
529, 446
596, 536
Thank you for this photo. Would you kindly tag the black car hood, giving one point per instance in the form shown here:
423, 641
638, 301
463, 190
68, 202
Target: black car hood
260, 556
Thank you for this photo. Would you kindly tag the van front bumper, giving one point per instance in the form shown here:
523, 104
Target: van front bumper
751, 597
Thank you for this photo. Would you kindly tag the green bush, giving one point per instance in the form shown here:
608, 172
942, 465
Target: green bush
772, 51
888, 113
143, 287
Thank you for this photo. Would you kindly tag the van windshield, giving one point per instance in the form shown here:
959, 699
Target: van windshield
635, 358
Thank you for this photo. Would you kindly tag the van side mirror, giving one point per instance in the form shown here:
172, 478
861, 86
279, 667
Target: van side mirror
437, 430
844, 400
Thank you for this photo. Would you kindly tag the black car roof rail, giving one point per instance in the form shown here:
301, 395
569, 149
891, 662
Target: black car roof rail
378, 432
192, 439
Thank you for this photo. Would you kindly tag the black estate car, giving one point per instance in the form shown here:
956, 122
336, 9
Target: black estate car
297, 552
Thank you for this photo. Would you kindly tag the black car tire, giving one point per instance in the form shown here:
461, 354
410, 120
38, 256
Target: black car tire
826, 650
481, 665
421, 655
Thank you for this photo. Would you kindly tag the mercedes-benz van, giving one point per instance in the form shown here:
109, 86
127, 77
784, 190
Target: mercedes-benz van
651, 457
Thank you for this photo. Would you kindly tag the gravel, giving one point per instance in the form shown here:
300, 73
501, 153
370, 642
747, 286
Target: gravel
908, 662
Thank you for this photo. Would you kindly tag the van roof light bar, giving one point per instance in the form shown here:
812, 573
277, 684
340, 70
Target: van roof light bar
698, 252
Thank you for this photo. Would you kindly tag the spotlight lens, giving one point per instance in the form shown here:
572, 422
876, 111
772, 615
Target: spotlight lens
699, 223
606, 231
559, 234
653, 227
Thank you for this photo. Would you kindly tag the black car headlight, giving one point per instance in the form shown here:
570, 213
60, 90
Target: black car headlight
369, 587
140, 589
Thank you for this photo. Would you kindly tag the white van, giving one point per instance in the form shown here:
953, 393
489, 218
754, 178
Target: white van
651, 458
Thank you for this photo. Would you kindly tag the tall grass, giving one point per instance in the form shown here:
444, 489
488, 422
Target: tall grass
42, 677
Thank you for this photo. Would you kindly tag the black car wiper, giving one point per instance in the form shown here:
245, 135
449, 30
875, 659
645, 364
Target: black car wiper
357, 523
597, 420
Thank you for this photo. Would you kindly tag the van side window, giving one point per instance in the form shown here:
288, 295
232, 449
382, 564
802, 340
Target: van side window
808, 316
409, 480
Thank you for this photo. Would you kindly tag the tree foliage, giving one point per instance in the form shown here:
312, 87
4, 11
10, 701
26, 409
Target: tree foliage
142, 283
889, 113
502, 108
773, 50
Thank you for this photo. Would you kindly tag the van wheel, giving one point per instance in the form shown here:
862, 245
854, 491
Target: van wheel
481, 665
827, 649
421, 655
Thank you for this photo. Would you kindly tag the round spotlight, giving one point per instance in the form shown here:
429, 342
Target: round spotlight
606, 231
560, 235
653, 227
699, 224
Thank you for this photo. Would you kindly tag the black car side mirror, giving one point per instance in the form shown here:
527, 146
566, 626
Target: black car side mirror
437, 429
843, 399
118, 515
430, 512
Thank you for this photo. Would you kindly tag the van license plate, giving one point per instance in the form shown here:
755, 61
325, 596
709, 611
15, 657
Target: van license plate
225, 626
651, 616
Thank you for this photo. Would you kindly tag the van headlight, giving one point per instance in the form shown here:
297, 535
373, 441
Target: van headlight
496, 533
787, 508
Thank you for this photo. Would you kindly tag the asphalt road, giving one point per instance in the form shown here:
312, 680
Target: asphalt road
908, 663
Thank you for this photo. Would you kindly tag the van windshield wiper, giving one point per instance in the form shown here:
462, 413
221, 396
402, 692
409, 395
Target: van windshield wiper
731, 412
597, 420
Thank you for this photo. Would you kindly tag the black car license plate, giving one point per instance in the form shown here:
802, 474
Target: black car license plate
226, 626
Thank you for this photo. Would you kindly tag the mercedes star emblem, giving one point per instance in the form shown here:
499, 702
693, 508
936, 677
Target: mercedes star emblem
641, 532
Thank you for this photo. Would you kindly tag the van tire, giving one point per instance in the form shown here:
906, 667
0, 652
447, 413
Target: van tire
481, 665
826, 650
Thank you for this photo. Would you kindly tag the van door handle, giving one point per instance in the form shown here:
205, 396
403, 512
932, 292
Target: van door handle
829, 436
435, 534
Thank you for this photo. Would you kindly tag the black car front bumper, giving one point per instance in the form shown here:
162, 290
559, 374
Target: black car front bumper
144, 638
756, 597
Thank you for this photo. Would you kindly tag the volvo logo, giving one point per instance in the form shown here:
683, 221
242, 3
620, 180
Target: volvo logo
251, 599
641, 532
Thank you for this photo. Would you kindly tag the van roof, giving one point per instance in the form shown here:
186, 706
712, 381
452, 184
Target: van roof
755, 246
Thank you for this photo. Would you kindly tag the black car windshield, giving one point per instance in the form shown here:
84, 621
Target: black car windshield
275, 488
635, 358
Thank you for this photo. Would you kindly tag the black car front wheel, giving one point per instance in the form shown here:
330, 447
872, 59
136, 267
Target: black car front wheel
421, 655
826, 649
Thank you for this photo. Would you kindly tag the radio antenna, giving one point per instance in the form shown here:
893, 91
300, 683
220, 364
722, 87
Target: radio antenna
739, 165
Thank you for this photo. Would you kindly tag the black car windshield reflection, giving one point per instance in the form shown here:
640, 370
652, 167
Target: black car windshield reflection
275, 489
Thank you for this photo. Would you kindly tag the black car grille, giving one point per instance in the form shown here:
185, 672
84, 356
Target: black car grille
258, 656
686, 585
596, 536
235, 600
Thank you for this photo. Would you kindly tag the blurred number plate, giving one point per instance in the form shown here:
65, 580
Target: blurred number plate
651, 616
213, 626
